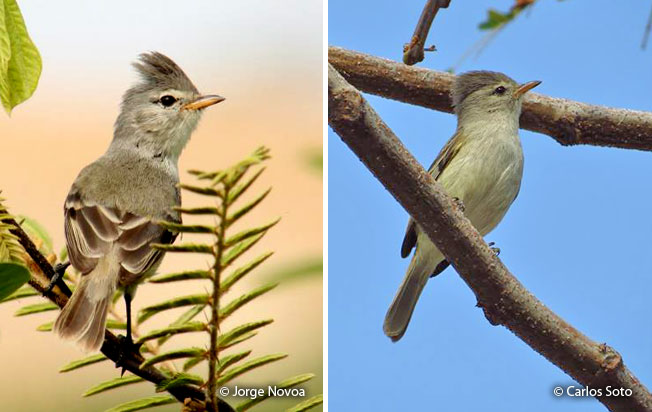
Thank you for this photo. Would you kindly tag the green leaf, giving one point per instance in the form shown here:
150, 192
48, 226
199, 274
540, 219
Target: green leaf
178, 380
110, 324
184, 247
495, 19
247, 208
237, 340
20, 62
36, 308
192, 362
79, 363
287, 383
239, 273
173, 330
10, 249
229, 360
179, 228
315, 159
208, 191
149, 311
198, 210
24, 291
248, 366
236, 192
187, 275
246, 234
237, 251
237, 303
12, 277
111, 384
184, 318
312, 266
308, 404
140, 404
37, 233
228, 337
175, 354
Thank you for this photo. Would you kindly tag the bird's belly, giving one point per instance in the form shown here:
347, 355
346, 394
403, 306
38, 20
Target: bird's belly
486, 189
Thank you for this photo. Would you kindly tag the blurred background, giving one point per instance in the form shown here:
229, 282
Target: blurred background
578, 236
267, 61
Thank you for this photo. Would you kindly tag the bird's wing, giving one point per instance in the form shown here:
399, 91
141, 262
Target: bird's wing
447, 153
136, 254
92, 229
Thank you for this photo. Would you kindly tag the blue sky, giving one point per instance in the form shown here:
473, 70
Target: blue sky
577, 236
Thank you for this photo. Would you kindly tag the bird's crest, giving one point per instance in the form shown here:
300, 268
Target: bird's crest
158, 70
469, 82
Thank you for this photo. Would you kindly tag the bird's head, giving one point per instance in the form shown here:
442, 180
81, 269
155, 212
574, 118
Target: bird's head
163, 108
485, 92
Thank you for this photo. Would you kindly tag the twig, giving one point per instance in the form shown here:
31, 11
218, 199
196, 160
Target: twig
213, 353
646, 33
111, 348
502, 297
567, 121
413, 51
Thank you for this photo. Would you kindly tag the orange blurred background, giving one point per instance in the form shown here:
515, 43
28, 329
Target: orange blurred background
267, 61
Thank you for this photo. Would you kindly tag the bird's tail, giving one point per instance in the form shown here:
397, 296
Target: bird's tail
83, 318
400, 311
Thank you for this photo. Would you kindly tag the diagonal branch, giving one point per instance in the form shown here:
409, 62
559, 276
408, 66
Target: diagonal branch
567, 121
111, 347
502, 297
413, 51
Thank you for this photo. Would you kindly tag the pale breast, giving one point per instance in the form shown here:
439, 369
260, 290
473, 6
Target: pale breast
486, 176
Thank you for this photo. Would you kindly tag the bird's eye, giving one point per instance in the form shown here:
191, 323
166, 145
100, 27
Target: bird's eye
168, 100
500, 90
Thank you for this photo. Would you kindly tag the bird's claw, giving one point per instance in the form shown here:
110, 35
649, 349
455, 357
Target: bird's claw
59, 271
458, 202
496, 250
127, 346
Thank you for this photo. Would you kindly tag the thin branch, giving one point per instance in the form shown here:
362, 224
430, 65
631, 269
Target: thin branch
646, 33
567, 121
413, 51
111, 348
502, 297
213, 353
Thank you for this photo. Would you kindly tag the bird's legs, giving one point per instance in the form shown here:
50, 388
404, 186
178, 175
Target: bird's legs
127, 343
57, 279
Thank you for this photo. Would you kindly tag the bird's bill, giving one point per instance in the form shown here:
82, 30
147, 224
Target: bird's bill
525, 87
202, 102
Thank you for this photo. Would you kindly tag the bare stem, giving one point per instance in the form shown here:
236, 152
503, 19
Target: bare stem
213, 353
413, 51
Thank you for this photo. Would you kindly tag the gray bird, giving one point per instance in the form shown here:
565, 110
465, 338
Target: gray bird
113, 205
481, 165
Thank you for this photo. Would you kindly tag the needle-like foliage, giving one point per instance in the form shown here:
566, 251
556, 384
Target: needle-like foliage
205, 310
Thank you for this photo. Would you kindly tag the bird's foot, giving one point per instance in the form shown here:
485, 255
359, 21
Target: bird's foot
127, 346
458, 202
59, 271
496, 250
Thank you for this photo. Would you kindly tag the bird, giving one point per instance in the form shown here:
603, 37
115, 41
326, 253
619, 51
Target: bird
481, 166
112, 210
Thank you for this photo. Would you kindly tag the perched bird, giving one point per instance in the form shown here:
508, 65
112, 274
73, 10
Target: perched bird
113, 206
481, 165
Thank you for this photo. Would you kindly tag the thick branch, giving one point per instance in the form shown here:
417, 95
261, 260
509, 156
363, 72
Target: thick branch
111, 347
502, 297
567, 121
413, 51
